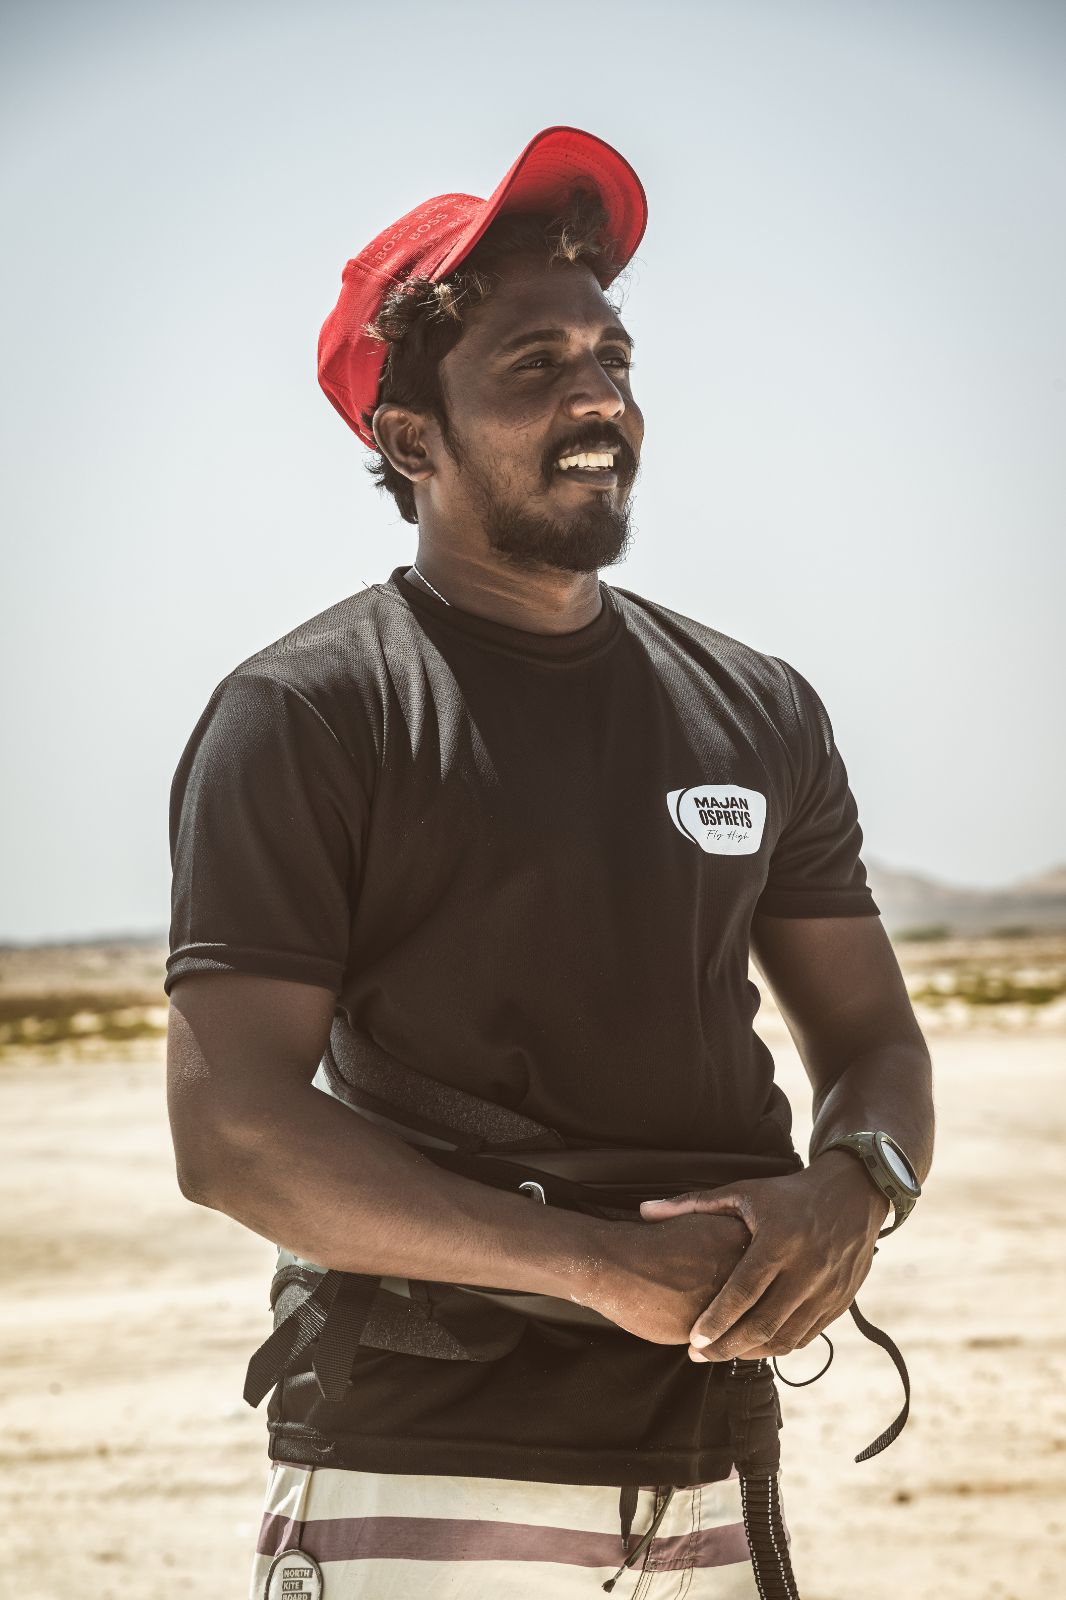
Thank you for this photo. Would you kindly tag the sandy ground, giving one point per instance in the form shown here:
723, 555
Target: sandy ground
135, 1470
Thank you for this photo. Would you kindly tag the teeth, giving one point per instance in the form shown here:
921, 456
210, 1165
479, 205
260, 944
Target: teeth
588, 458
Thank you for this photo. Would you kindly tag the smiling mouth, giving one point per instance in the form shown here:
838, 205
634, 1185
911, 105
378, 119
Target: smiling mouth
594, 469
587, 461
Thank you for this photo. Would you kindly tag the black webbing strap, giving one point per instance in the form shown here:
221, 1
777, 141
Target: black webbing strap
332, 1318
627, 1510
645, 1539
290, 1339
339, 1338
878, 1336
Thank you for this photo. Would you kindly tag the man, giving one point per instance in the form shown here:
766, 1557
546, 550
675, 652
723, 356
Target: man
512, 833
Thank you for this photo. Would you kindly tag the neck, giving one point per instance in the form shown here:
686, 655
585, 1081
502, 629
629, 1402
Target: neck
545, 601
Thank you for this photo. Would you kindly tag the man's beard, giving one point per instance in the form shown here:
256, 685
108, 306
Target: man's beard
597, 536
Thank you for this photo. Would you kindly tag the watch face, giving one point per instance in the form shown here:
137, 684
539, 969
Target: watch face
898, 1165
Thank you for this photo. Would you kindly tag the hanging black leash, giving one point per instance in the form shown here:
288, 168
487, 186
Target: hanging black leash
894, 1429
764, 1526
879, 1337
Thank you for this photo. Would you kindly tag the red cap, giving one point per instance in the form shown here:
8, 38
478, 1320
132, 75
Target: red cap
434, 238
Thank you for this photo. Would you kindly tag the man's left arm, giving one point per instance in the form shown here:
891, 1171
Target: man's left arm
840, 990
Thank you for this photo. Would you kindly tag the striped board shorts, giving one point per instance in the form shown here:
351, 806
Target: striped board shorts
343, 1535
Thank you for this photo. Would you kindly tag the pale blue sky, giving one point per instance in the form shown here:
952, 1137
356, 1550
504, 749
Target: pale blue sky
852, 361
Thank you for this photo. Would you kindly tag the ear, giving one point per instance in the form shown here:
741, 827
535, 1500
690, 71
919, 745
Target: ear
406, 439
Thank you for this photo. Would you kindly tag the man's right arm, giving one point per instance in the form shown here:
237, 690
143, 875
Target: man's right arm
255, 1139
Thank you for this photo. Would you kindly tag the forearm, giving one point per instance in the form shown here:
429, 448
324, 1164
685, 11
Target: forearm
332, 1187
887, 1087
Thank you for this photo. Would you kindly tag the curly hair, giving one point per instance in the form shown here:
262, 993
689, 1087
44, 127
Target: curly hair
421, 321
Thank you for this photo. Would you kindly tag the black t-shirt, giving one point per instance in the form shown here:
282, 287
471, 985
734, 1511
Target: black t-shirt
527, 865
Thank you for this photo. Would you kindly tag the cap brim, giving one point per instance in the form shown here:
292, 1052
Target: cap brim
553, 164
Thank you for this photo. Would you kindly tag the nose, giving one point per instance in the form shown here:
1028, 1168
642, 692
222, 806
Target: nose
593, 394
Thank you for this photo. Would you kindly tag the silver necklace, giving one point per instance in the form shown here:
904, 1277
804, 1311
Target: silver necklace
429, 586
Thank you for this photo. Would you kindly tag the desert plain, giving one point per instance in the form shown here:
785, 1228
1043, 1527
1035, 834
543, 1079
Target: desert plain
134, 1471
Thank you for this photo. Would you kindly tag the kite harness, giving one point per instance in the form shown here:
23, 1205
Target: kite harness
331, 1313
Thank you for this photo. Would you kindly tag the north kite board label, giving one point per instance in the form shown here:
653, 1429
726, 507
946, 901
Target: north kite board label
722, 818
293, 1576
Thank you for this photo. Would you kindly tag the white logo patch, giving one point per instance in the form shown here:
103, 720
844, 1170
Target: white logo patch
292, 1575
721, 818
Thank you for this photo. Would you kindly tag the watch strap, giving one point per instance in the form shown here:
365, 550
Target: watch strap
863, 1146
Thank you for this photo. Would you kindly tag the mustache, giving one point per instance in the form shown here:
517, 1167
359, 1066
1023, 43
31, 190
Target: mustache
596, 436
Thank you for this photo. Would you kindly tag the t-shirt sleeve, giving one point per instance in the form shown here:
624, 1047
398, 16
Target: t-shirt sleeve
816, 869
266, 820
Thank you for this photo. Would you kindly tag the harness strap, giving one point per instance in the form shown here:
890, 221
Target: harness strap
334, 1317
878, 1336
457, 1126
509, 1174
339, 1338
358, 1071
290, 1339
627, 1510
644, 1541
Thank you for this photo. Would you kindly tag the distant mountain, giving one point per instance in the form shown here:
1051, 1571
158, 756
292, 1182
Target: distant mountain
910, 901
1052, 882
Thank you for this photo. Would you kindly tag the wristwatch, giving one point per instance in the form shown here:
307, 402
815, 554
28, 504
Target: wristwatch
886, 1166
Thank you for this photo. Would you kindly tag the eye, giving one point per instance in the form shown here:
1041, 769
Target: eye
620, 359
